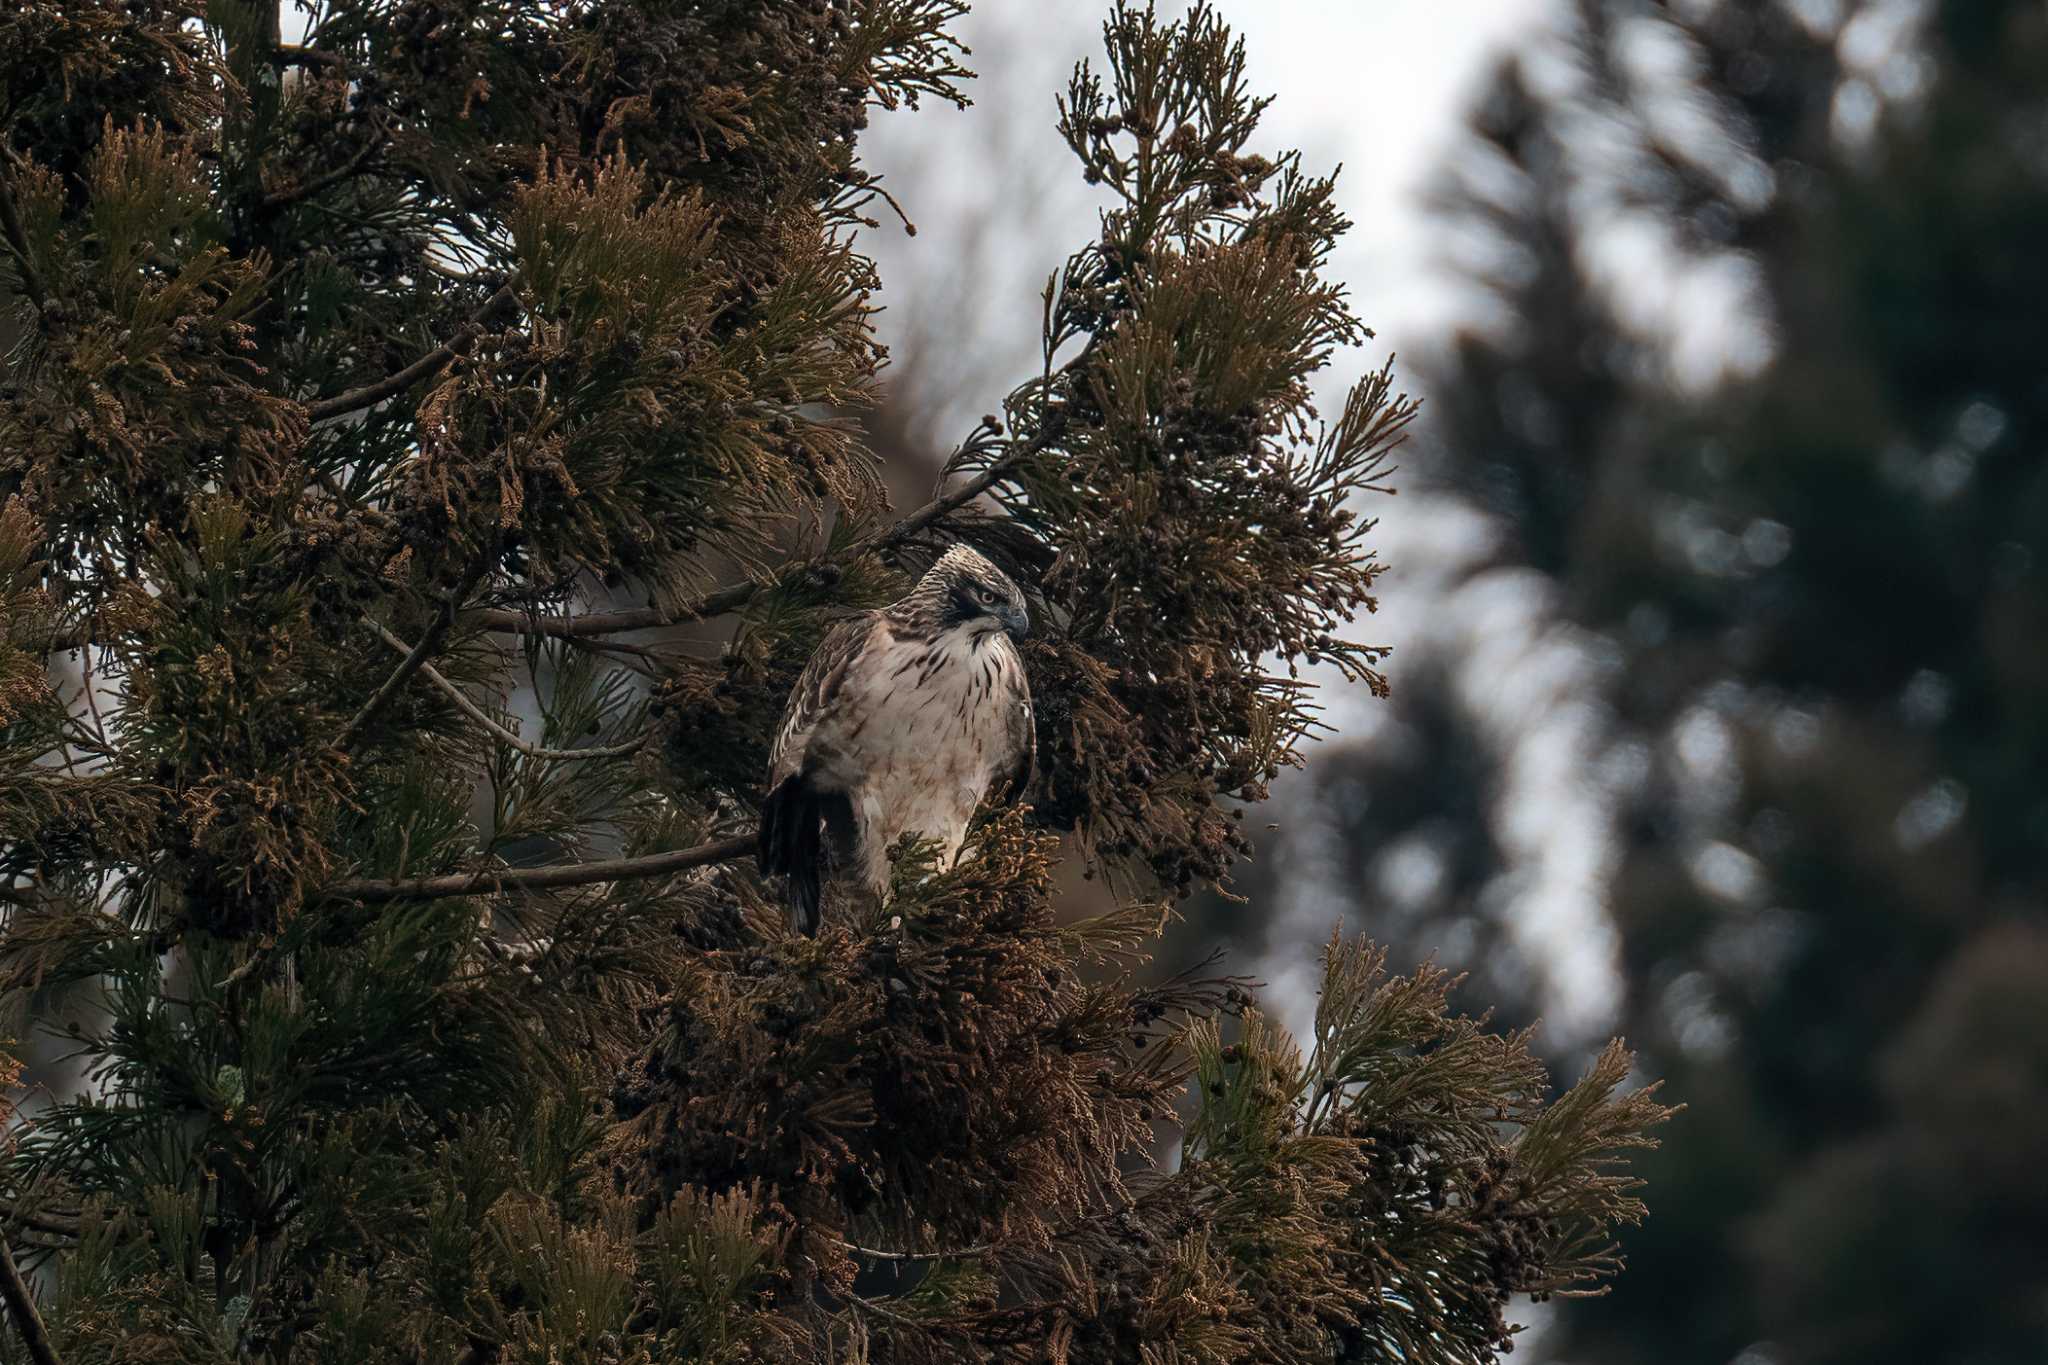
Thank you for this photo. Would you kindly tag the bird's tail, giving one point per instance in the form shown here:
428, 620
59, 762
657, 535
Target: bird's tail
793, 846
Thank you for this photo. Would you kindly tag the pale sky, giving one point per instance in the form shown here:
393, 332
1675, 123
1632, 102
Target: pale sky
1376, 86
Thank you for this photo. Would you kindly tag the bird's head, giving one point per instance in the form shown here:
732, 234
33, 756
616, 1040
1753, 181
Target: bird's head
970, 592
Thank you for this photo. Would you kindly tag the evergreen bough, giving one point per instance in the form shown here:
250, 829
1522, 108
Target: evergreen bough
368, 391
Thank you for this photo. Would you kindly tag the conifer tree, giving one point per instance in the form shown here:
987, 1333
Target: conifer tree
381, 400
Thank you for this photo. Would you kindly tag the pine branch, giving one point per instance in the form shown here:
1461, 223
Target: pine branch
426, 367
22, 1305
291, 54
946, 504
309, 188
483, 718
17, 246
371, 890
736, 595
431, 641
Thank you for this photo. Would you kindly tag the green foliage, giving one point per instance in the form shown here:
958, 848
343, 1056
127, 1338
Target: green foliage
367, 387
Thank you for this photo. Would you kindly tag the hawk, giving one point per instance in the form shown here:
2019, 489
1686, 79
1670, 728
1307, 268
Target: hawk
904, 719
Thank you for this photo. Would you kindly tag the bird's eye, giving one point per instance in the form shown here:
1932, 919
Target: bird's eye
987, 596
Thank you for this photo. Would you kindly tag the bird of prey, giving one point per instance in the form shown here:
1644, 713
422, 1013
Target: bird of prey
904, 719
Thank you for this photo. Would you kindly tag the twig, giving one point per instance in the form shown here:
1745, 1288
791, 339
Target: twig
729, 598
78, 636
483, 718
948, 503
490, 277
874, 187
256, 959
17, 246
429, 642
870, 1306
332, 486
651, 655
371, 890
273, 202
291, 54
77, 736
23, 1308
92, 704
49, 1222
425, 367
981, 1248
959, 1254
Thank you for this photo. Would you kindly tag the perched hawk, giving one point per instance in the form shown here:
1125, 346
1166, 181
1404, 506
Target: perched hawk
902, 721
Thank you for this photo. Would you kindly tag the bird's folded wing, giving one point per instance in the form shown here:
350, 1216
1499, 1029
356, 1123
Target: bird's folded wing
816, 691
1023, 741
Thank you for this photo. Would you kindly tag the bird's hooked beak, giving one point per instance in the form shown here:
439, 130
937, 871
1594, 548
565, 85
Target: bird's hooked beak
1017, 621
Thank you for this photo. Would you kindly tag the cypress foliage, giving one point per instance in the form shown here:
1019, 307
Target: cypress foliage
374, 392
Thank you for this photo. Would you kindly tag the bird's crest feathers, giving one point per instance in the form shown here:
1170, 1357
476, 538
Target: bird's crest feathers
964, 561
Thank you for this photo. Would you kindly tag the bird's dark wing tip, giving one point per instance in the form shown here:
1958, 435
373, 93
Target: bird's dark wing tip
792, 845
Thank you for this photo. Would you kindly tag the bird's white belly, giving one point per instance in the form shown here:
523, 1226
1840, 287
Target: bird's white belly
923, 753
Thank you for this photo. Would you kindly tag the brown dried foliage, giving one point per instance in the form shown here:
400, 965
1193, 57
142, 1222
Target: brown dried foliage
1192, 517
469, 312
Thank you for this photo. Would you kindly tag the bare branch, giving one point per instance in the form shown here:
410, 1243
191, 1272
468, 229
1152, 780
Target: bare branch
958, 1254
483, 718
49, 1222
256, 960
542, 878
291, 54
426, 367
22, 1306
305, 190
729, 598
431, 641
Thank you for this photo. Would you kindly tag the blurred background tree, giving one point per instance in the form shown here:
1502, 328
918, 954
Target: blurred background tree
1752, 411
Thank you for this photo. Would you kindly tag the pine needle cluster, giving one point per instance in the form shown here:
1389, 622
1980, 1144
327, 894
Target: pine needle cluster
374, 850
